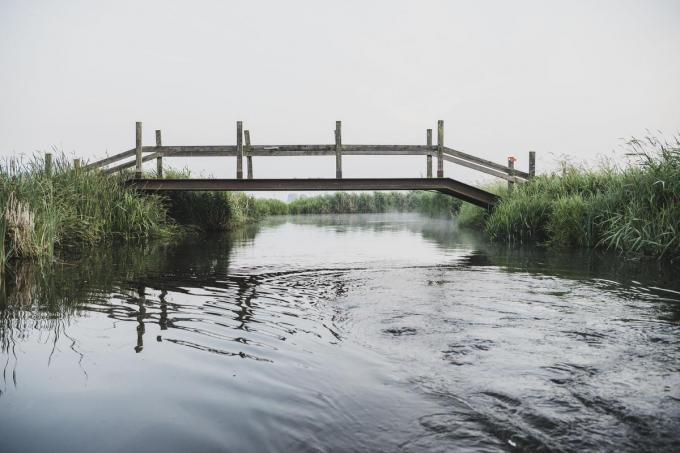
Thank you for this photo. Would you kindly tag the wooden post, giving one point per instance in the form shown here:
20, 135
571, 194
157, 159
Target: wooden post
532, 164
159, 159
48, 164
338, 149
239, 150
511, 173
249, 157
76, 164
440, 149
138, 149
429, 156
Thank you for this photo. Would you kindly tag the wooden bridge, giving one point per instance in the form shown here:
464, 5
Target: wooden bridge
441, 153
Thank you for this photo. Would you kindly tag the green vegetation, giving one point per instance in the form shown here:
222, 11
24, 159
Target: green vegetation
429, 203
635, 209
216, 211
219, 211
39, 212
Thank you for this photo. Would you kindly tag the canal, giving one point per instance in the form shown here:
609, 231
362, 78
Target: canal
340, 333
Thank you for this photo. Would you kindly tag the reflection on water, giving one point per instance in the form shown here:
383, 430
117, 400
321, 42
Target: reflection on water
340, 333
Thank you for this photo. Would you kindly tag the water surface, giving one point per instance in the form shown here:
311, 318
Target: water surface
340, 333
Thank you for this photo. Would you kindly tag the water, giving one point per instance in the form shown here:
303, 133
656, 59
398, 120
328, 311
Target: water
345, 333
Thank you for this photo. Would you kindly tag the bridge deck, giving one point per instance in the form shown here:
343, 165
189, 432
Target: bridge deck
447, 186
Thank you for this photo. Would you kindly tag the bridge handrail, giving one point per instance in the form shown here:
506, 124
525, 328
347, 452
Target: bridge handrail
146, 153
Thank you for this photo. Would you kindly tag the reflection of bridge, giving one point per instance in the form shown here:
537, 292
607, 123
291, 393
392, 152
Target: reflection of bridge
240, 150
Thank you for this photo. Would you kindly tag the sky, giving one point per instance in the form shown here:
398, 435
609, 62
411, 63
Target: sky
568, 78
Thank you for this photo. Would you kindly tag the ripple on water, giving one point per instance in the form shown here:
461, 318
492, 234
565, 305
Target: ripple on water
331, 338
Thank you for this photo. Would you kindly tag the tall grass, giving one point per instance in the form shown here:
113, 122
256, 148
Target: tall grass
632, 209
216, 211
429, 203
39, 212
219, 211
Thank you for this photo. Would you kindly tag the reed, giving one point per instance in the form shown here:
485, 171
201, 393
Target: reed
433, 204
633, 209
216, 211
69, 207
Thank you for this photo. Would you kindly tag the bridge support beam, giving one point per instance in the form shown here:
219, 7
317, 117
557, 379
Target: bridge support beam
338, 149
159, 159
440, 149
429, 156
239, 150
448, 186
138, 149
249, 154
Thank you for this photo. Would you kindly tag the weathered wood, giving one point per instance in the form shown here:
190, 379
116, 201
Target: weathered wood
532, 164
304, 150
138, 149
159, 159
484, 162
448, 186
338, 149
160, 151
110, 159
440, 149
449, 155
48, 164
429, 156
511, 166
291, 150
488, 171
249, 155
76, 164
239, 150
129, 164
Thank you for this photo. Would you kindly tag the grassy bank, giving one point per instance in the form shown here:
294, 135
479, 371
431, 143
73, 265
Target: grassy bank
634, 209
41, 213
429, 203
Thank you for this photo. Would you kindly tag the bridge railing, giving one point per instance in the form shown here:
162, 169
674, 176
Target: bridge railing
441, 153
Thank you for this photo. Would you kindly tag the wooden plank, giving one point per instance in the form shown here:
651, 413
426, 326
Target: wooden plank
194, 151
159, 159
440, 149
180, 150
488, 171
484, 162
129, 164
239, 150
445, 185
146, 158
292, 150
338, 149
111, 159
249, 155
138, 149
429, 156
532, 164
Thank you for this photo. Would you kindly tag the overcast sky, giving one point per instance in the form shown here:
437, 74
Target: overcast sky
570, 77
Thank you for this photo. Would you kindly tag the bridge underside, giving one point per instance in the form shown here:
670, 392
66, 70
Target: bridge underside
446, 186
